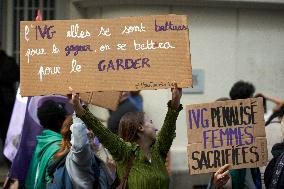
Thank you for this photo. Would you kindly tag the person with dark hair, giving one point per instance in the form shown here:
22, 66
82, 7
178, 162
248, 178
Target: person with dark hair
242, 90
140, 154
51, 116
9, 75
277, 101
128, 126
274, 172
277, 114
264, 102
243, 178
28, 129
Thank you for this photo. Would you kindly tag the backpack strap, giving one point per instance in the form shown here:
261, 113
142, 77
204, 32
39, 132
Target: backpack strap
124, 183
59, 162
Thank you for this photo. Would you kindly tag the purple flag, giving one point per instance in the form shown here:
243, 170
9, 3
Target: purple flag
31, 129
15, 127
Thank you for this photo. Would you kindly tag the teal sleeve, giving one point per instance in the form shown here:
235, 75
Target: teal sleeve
238, 178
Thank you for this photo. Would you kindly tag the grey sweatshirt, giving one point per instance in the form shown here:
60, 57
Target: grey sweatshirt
81, 160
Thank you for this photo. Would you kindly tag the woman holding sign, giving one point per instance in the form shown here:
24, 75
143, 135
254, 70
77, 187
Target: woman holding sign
220, 178
139, 153
248, 177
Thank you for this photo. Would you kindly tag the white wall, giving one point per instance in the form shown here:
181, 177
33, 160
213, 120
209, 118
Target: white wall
229, 44
233, 44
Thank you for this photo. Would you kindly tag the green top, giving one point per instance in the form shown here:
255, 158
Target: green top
48, 143
143, 174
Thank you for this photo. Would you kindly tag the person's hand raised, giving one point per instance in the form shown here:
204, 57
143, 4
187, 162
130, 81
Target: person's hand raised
176, 96
75, 101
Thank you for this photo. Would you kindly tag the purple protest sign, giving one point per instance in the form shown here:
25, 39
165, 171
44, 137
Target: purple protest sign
15, 127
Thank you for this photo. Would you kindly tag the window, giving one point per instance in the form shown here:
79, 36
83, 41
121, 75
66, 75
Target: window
27, 10
2, 24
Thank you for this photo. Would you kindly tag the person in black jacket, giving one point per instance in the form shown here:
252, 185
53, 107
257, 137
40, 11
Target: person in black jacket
274, 172
9, 75
125, 105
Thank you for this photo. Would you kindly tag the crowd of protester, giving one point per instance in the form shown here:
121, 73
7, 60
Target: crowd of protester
60, 138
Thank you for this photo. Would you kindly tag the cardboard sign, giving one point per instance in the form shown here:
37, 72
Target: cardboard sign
123, 54
107, 100
228, 132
